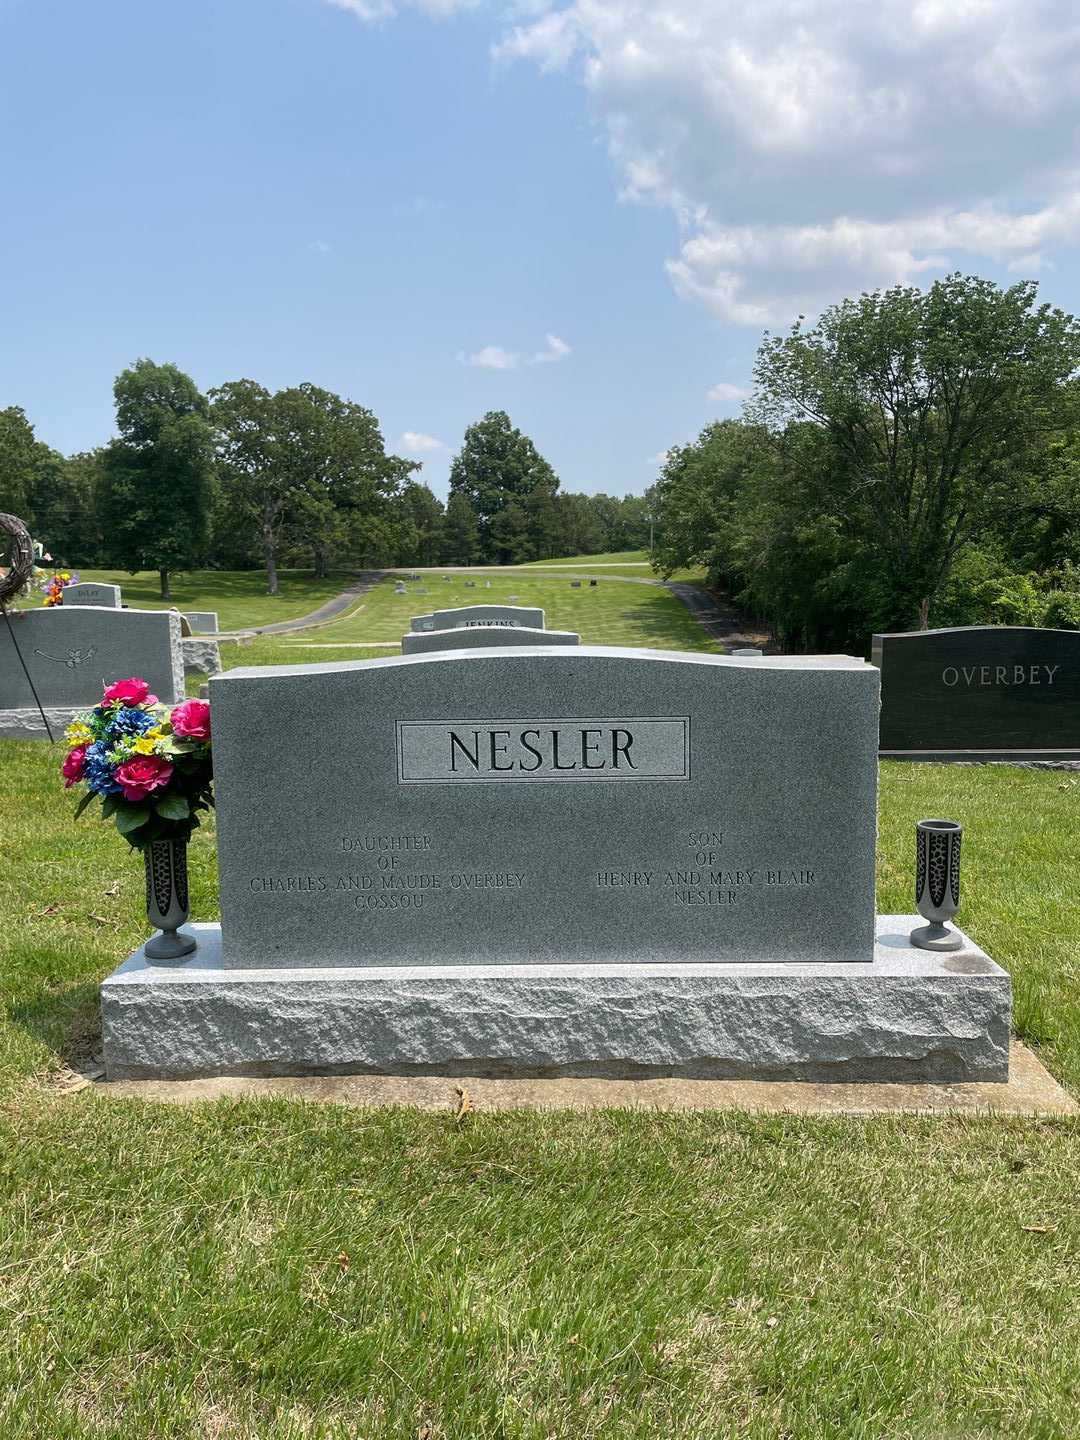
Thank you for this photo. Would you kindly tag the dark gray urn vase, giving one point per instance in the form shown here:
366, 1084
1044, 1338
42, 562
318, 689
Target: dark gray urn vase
937, 883
167, 899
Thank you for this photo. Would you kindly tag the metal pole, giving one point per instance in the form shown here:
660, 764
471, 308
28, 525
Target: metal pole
29, 679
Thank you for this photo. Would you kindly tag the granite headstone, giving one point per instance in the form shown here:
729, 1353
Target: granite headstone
980, 691
70, 650
90, 592
202, 622
548, 805
527, 617
487, 637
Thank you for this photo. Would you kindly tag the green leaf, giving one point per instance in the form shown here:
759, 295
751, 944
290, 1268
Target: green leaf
173, 807
109, 806
130, 819
87, 799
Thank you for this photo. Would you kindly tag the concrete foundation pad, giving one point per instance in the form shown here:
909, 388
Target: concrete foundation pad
911, 1016
1030, 1090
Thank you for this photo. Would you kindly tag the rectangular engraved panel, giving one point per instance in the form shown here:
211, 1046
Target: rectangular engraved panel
444, 752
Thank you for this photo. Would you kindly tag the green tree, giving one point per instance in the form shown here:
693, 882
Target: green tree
155, 482
17, 464
580, 529
700, 492
424, 515
934, 403
510, 542
304, 469
460, 532
496, 467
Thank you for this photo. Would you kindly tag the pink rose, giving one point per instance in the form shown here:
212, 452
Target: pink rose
191, 720
143, 774
72, 768
130, 692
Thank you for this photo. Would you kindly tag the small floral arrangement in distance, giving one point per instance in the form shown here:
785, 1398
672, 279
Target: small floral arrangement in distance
55, 585
149, 763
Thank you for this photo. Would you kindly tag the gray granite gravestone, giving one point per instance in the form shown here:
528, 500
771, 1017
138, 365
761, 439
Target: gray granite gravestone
527, 617
554, 861
71, 649
90, 592
575, 584
980, 692
202, 622
483, 638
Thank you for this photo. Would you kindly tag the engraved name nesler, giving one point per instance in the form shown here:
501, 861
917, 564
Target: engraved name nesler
496, 751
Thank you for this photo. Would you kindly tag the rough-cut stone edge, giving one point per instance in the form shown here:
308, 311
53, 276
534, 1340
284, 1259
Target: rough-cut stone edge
201, 655
25, 723
910, 1016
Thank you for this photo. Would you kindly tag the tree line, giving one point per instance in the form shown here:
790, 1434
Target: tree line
910, 460
243, 477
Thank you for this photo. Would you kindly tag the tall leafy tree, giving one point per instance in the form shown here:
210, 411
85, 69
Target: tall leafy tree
304, 467
497, 467
460, 532
423, 513
155, 482
17, 464
934, 404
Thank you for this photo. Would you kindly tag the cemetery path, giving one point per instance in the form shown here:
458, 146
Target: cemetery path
328, 611
718, 618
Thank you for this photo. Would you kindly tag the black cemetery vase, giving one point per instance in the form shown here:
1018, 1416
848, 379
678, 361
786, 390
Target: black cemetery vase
167, 899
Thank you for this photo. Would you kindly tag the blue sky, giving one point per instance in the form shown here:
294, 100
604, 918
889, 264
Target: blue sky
583, 212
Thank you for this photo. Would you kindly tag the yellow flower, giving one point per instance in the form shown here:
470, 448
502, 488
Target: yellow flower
65, 575
154, 733
77, 734
144, 745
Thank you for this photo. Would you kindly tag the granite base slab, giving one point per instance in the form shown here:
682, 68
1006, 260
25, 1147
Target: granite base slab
908, 1016
26, 724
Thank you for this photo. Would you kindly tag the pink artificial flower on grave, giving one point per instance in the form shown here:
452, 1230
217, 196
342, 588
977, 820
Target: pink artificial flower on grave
191, 720
72, 768
131, 692
142, 775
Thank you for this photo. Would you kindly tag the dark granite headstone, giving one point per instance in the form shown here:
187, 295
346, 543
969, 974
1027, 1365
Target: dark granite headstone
983, 690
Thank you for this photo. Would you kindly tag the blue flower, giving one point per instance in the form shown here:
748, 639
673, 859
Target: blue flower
98, 773
131, 722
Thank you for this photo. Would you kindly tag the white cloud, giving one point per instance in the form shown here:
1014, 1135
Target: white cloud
814, 148
727, 394
660, 458
494, 357
415, 442
554, 349
373, 11
320, 247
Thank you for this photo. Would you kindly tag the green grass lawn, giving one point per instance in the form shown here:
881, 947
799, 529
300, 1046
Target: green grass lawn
270, 1270
614, 557
610, 613
239, 596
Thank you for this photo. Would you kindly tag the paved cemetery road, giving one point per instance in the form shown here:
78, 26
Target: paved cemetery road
719, 619
360, 586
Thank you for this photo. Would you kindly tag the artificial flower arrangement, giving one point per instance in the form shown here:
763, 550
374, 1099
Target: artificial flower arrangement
55, 585
150, 763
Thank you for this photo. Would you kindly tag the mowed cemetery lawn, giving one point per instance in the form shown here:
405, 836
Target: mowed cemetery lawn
613, 612
239, 596
276, 1269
